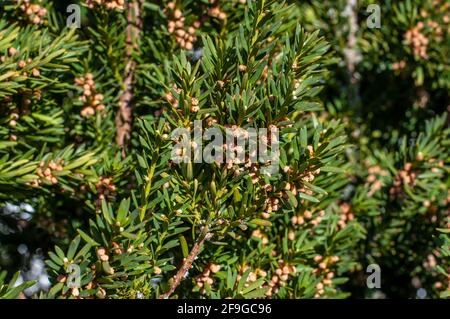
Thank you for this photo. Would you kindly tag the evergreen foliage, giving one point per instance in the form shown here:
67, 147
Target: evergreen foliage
88, 182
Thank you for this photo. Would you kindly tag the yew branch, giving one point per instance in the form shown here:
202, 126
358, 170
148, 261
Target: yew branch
187, 263
124, 116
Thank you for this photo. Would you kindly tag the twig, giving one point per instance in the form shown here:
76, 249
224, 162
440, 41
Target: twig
124, 116
352, 55
187, 263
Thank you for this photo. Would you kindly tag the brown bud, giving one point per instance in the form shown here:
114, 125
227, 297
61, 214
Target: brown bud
12, 51
214, 268
177, 14
242, 68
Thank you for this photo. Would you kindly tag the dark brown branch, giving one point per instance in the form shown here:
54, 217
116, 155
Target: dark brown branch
187, 263
124, 116
351, 52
